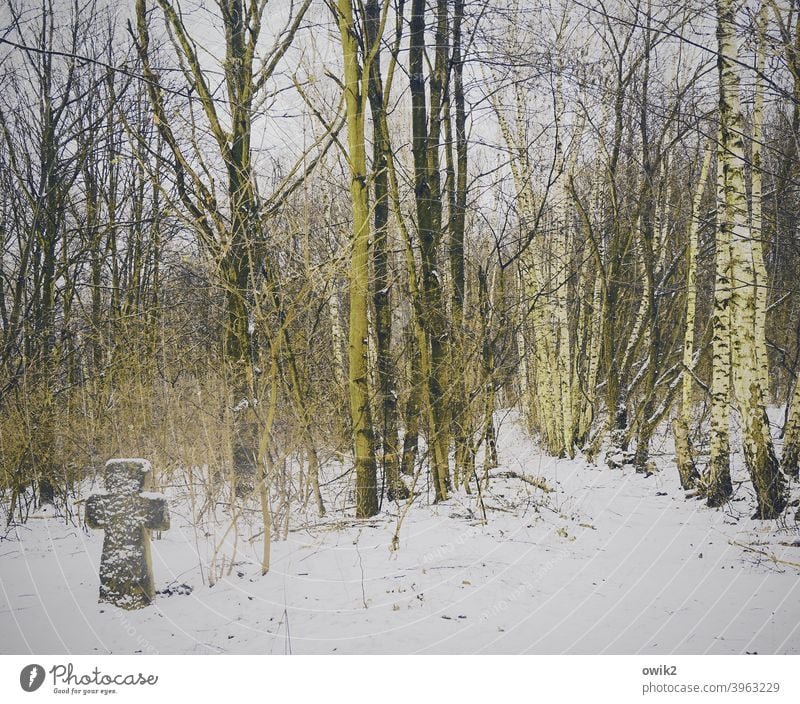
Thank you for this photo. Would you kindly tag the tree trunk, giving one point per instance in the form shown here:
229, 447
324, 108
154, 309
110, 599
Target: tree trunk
428, 197
381, 296
756, 439
756, 221
683, 452
717, 482
358, 334
790, 460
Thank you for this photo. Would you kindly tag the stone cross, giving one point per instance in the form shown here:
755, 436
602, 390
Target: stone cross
128, 516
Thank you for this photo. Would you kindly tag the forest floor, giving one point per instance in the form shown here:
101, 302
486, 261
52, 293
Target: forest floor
610, 561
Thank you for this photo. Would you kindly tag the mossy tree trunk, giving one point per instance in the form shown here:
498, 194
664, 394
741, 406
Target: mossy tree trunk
355, 78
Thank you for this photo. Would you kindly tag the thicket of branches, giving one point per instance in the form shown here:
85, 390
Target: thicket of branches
266, 245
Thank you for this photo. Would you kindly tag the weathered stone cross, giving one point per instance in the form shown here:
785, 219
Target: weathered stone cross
128, 516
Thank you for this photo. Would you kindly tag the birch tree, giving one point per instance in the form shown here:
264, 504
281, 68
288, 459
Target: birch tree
682, 423
736, 302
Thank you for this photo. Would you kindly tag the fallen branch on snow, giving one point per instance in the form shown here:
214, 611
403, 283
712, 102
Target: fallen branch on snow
538, 482
768, 555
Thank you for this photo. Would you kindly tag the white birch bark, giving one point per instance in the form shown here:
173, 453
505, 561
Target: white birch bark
790, 461
717, 482
337, 337
683, 457
544, 403
522, 350
756, 439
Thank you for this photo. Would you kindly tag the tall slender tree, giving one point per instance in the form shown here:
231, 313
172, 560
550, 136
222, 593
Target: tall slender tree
737, 300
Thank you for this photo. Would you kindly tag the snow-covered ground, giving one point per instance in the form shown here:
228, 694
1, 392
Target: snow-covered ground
609, 562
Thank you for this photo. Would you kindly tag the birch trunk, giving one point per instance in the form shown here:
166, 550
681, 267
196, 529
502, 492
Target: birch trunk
683, 451
522, 347
563, 254
757, 442
337, 337
790, 461
717, 482
544, 410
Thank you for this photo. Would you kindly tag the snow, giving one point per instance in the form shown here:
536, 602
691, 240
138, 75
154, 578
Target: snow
609, 562
144, 465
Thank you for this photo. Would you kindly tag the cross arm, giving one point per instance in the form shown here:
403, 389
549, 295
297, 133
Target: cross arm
96, 511
156, 513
